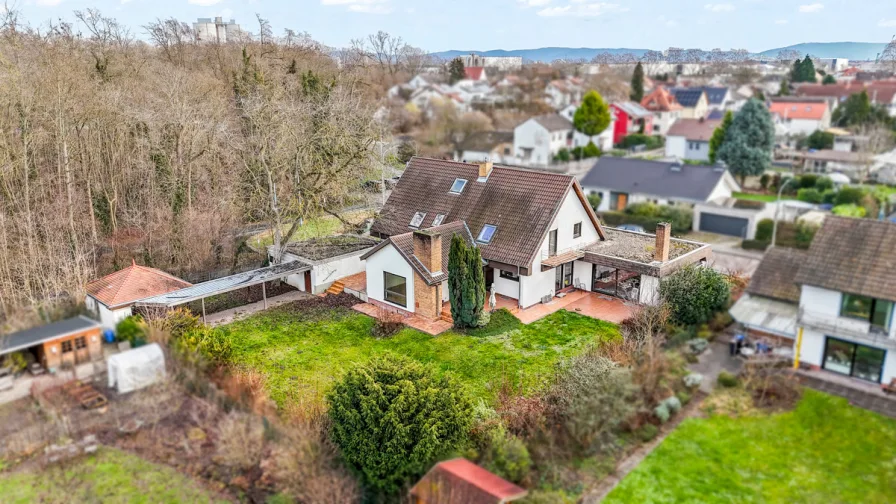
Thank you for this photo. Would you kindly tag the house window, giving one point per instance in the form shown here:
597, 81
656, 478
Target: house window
458, 186
66, 346
438, 220
395, 289
81, 342
485, 236
877, 312
418, 219
853, 359
577, 230
509, 275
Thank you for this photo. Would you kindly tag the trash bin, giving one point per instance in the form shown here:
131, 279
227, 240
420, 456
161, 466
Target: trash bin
109, 336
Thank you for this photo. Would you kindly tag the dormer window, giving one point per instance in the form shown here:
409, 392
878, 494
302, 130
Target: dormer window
438, 220
417, 220
485, 236
458, 186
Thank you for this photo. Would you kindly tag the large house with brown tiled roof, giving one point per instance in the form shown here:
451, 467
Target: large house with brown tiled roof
112, 296
769, 306
536, 231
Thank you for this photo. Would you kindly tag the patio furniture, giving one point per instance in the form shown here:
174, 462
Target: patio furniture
36, 369
889, 387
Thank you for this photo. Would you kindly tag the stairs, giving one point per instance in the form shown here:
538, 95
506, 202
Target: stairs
446, 316
336, 288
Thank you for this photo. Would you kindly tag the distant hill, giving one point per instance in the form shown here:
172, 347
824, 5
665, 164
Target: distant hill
849, 50
545, 54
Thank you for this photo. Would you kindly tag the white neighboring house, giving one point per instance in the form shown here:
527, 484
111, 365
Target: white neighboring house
331, 258
538, 139
769, 306
689, 139
428, 98
495, 146
560, 93
112, 297
845, 317
604, 141
623, 181
799, 118
665, 108
414, 84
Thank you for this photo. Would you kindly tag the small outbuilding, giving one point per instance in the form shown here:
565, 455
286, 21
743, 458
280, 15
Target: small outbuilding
68, 342
137, 368
461, 481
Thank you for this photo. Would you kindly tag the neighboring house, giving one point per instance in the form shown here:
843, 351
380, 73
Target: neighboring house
536, 231
461, 481
770, 304
475, 73
719, 98
560, 93
604, 141
68, 342
113, 296
623, 181
798, 118
630, 117
665, 108
330, 259
848, 289
428, 98
538, 139
404, 91
883, 93
494, 146
880, 92
855, 165
693, 102
689, 139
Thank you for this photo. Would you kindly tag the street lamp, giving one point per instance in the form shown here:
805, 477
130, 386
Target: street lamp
778, 209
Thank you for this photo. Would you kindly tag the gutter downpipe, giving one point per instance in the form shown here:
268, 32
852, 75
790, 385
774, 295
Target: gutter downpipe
799, 344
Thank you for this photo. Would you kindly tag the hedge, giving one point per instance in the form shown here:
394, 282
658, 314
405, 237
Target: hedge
647, 222
754, 245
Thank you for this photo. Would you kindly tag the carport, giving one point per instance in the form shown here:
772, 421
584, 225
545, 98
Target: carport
226, 284
724, 224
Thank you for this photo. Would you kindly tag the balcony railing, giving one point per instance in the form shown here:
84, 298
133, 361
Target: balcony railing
833, 325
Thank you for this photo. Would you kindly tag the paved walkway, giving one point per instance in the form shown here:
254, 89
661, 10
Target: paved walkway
864, 395
233, 314
713, 361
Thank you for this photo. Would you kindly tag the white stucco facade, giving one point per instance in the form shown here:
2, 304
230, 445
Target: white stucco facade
109, 318
680, 147
389, 260
533, 144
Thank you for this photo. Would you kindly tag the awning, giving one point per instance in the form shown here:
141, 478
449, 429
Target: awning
225, 284
562, 258
766, 314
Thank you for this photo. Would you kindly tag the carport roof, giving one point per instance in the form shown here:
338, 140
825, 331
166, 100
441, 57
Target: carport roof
37, 335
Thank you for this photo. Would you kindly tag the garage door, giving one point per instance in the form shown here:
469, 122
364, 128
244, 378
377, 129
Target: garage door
723, 224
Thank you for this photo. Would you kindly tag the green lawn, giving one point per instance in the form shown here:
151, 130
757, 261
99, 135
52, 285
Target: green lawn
823, 451
325, 225
302, 353
768, 198
110, 476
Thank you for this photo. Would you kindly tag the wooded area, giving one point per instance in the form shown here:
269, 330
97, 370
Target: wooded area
112, 148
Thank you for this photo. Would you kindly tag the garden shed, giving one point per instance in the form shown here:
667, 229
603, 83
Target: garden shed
137, 368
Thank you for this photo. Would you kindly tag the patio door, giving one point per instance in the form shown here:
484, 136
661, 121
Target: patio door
853, 359
563, 278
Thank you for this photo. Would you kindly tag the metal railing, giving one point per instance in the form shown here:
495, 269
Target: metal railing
833, 325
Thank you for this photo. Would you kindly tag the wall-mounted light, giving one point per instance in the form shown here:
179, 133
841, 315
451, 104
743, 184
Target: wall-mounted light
53, 349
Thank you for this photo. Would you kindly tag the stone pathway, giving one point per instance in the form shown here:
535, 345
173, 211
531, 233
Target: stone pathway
715, 360
228, 316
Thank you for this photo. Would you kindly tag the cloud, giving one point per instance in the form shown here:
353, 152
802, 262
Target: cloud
581, 8
887, 23
720, 7
204, 3
810, 8
365, 6
781, 21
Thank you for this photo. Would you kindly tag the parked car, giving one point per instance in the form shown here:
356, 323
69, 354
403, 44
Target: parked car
631, 227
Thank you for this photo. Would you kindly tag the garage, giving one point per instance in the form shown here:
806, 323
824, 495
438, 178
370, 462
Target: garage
723, 224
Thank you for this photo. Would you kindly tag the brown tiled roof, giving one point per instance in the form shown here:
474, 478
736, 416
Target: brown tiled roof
660, 100
132, 284
698, 130
461, 481
854, 256
404, 243
520, 203
485, 141
554, 122
774, 277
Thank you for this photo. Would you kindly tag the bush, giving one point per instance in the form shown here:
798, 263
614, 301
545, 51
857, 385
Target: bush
562, 155
805, 233
829, 196
240, 441
697, 345
673, 404
754, 245
649, 142
662, 412
764, 180
824, 184
680, 217
809, 195
591, 150
15, 361
764, 230
849, 196
393, 417
683, 397
806, 181
647, 432
132, 329
849, 211
506, 455
594, 201
720, 321
387, 323
693, 380
727, 380
694, 294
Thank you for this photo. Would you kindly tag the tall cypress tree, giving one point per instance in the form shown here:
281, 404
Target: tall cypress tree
466, 283
637, 83
477, 283
807, 70
457, 274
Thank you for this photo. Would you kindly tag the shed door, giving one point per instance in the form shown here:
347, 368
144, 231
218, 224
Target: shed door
723, 224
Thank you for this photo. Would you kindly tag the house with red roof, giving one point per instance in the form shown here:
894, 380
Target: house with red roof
113, 296
795, 117
461, 481
475, 74
666, 109
561, 93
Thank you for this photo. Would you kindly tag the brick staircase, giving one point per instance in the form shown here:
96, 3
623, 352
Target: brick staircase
446, 316
336, 288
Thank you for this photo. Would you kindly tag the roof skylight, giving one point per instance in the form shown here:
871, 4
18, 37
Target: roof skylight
458, 186
485, 236
417, 220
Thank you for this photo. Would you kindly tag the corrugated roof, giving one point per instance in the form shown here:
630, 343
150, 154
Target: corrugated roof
520, 203
774, 277
133, 283
461, 481
632, 109
656, 178
766, 314
854, 256
698, 130
226, 284
37, 335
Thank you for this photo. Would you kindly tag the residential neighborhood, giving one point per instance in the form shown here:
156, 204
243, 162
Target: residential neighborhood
563, 252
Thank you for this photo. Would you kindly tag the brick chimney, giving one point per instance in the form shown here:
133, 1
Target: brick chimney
485, 168
428, 250
663, 237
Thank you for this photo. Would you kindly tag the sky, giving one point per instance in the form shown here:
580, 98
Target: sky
437, 25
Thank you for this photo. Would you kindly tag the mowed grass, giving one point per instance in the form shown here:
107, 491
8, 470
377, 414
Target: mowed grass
110, 476
302, 354
823, 451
